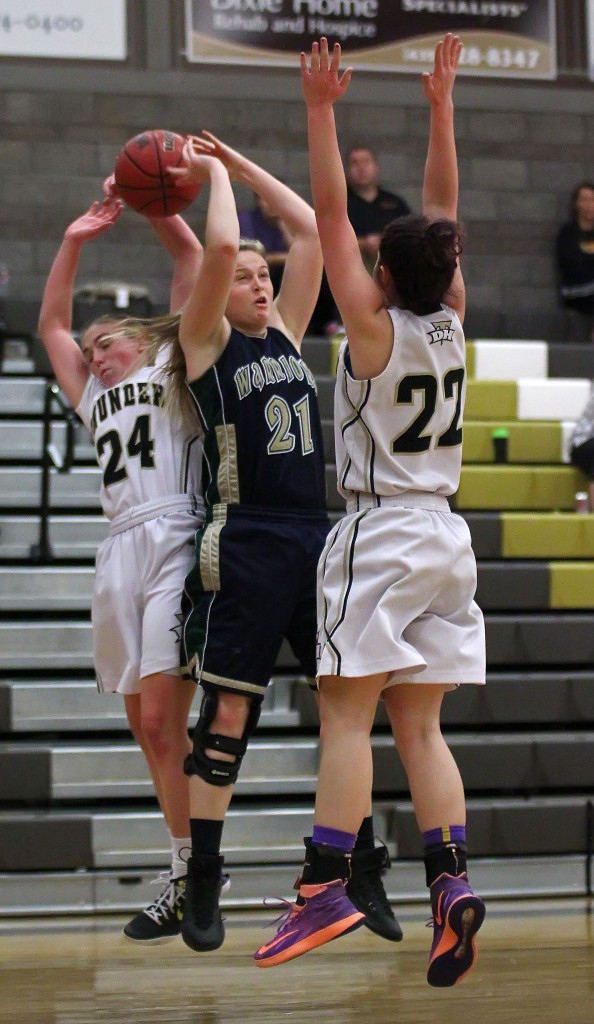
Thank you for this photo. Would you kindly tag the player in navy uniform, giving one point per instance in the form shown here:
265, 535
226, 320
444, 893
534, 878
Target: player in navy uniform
397, 616
254, 580
151, 495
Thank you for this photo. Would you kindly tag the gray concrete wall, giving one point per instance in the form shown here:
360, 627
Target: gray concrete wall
522, 148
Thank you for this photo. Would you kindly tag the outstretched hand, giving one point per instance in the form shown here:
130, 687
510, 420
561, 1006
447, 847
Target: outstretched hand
211, 145
98, 218
198, 159
321, 80
439, 84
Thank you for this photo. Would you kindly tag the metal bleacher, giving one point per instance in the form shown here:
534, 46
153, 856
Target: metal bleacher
79, 827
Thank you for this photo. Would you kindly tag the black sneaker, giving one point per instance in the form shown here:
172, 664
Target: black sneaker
202, 925
365, 890
161, 921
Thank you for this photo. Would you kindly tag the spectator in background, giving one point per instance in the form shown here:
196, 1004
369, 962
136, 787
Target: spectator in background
260, 224
575, 263
369, 206
581, 449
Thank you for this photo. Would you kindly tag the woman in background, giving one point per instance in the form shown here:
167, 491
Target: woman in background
575, 263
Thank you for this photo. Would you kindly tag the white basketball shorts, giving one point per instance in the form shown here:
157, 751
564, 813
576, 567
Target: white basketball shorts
396, 592
135, 612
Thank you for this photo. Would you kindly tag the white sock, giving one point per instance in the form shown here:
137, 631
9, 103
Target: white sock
180, 851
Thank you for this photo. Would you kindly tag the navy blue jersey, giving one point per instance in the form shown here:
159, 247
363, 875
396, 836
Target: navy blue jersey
263, 438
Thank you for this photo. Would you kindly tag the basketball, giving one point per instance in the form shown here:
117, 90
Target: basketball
141, 174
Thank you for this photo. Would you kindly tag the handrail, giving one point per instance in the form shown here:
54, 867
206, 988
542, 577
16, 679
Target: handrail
50, 457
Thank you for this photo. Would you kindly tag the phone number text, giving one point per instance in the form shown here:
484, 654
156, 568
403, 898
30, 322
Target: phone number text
41, 23
473, 57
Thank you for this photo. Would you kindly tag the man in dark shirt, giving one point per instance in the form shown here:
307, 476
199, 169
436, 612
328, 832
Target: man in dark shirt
369, 206
369, 209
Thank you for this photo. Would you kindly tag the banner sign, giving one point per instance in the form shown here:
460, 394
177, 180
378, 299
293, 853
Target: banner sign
503, 40
71, 29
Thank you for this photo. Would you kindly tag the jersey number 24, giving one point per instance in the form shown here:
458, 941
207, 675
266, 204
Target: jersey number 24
139, 445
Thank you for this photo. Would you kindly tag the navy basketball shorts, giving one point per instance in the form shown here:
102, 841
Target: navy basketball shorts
253, 585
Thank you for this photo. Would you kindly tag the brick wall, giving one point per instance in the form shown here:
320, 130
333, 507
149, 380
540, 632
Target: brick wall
522, 148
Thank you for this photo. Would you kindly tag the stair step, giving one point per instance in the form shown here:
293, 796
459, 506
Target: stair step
538, 442
530, 826
531, 639
50, 588
110, 891
70, 536
533, 488
555, 398
22, 394
107, 770
502, 585
20, 487
516, 697
92, 770
24, 440
67, 644
47, 705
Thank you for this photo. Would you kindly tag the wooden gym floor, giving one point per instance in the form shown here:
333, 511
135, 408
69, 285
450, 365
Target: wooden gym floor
536, 967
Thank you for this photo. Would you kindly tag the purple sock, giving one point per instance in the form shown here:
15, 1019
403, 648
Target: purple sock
322, 836
445, 834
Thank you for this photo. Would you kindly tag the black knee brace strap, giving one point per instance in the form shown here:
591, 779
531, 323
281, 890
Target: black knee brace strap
218, 773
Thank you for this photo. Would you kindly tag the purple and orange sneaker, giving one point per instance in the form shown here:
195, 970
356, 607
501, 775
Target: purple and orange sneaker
457, 917
326, 914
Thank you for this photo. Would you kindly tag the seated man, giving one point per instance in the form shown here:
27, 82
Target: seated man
370, 208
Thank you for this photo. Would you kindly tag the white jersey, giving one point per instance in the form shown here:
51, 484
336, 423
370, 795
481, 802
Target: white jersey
144, 453
402, 431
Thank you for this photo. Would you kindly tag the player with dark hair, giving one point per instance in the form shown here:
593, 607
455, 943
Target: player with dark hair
397, 617
150, 494
254, 579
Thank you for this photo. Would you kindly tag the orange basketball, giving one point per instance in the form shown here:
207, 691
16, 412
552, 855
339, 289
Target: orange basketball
141, 174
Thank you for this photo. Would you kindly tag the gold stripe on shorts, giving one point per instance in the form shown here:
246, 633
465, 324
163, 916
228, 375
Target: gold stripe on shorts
227, 476
210, 569
233, 684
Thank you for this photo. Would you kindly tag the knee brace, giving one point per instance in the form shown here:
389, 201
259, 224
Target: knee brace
218, 773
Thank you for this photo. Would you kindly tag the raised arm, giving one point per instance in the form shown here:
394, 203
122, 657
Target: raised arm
180, 242
185, 251
55, 319
302, 275
204, 330
359, 300
440, 184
